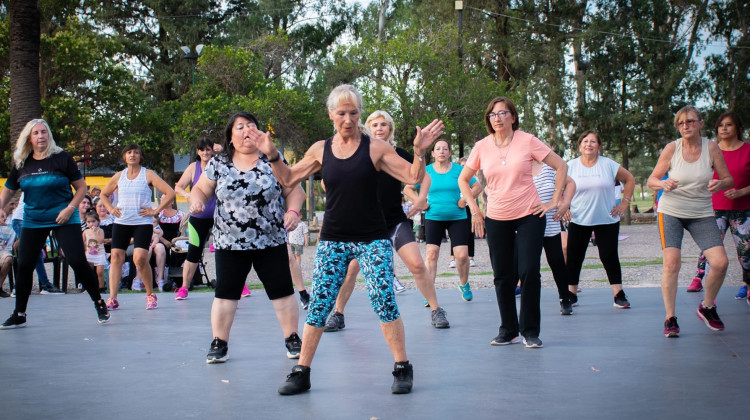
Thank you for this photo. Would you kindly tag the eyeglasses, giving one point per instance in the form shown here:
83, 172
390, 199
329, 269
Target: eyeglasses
686, 123
497, 114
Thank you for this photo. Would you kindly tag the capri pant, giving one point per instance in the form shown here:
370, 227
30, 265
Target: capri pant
271, 264
198, 230
458, 231
704, 231
141, 235
331, 262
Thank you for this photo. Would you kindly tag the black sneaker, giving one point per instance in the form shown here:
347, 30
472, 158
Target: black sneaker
15, 321
439, 320
101, 311
573, 299
293, 346
532, 342
304, 299
4, 294
297, 381
335, 322
75, 290
566, 307
505, 339
403, 376
218, 351
50, 289
621, 301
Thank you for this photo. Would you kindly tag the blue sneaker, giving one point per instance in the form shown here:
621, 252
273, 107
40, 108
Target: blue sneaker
426, 304
742, 294
518, 291
466, 292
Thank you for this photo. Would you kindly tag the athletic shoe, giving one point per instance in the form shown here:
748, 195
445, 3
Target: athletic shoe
403, 377
621, 301
532, 342
426, 303
181, 293
573, 300
518, 291
112, 304
297, 381
101, 311
293, 346
151, 301
504, 340
695, 286
671, 329
304, 299
245, 291
710, 317
397, 286
439, 319
76, 290
742, 293
335, 322
472, 263
15, 321
466, 292
566, 307
50, 289
160, 285
13, 293
137, 285
452, 264
4, 294
218, 351
211, 247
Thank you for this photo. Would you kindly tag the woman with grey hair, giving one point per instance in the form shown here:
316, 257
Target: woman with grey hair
354, 227
44, 172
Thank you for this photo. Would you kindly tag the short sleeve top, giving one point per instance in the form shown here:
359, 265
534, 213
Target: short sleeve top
249, 209
738, 163
46, 186
297, 236
545, 187
510, 189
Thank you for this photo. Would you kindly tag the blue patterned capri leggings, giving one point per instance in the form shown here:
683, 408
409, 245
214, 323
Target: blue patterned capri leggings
331, 262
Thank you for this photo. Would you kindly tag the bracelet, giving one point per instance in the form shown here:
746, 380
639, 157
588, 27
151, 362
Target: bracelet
278, 156
626, 198
72, 207
420, 158
293, 211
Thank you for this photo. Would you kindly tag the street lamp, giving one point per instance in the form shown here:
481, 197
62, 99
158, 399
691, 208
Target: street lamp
193, 56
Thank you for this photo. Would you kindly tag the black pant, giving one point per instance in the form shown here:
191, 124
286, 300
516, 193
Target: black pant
556, 260
606, 241
71, 243
503, 238
471, 234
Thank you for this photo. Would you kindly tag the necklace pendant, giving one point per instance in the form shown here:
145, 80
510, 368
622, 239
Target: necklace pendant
503, 162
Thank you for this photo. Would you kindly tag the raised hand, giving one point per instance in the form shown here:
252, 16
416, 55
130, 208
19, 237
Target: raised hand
263, 142
427, 135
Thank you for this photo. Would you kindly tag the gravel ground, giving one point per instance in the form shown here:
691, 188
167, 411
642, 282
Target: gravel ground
640, 254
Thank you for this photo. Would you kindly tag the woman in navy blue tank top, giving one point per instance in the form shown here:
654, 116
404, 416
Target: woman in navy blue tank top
354, 224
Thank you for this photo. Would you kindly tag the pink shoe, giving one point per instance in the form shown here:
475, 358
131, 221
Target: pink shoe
211, 248
151, 301
112, 304
246, 292
695, 286
181, 294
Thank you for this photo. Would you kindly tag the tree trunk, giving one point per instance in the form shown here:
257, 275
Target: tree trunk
25, 97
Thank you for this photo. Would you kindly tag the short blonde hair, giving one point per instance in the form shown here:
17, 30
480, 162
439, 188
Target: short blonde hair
684, 110
23, 147
388, 119
346, 93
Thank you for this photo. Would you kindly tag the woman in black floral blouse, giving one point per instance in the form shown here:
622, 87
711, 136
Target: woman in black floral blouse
250, 224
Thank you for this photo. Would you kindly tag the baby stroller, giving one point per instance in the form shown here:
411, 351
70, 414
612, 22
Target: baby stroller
177, 256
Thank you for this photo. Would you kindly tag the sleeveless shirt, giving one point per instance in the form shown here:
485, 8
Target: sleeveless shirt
208, 210
353, 210
132, 196
691, 199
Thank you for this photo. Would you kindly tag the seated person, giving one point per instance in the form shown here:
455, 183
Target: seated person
7, 239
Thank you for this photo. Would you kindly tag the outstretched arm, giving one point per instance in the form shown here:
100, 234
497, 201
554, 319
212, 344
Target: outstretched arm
287, 177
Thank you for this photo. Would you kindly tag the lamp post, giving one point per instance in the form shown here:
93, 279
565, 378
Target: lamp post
193, 56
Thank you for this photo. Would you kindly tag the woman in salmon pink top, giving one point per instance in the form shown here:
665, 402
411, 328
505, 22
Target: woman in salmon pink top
732, 207
515, 217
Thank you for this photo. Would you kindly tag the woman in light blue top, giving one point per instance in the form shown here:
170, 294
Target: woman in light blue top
440, 194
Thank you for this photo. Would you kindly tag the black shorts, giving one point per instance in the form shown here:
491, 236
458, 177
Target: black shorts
271, 264
401, 234
141, 235
458, 230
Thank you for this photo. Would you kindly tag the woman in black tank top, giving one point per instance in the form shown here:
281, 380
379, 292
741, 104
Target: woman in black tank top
354, 224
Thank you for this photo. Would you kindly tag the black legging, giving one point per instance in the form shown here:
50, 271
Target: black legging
556, 260
503, 238
202, 229
606, 241
71, 243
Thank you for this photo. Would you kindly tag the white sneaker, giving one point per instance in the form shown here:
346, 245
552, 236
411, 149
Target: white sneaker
452, 264
160, 283
397, 286
472, 263
137, 285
